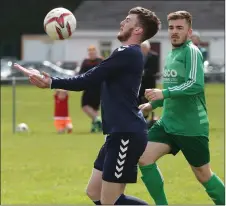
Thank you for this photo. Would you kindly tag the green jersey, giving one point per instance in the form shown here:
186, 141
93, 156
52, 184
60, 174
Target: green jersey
184, 105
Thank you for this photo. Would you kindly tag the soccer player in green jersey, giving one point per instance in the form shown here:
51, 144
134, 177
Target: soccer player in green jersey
184, 125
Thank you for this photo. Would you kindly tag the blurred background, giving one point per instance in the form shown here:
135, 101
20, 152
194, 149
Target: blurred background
98, 24
40, 166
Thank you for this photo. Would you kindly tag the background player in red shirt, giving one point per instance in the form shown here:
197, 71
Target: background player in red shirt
62, 120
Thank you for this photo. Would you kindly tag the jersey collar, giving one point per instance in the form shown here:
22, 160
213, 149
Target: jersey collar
184, 44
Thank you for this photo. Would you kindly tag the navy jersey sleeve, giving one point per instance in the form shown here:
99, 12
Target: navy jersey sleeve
117, 63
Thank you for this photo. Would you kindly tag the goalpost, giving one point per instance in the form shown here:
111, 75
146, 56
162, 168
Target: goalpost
13, 81
14, 104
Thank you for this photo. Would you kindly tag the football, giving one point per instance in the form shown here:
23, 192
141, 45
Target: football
59, 24
22, 127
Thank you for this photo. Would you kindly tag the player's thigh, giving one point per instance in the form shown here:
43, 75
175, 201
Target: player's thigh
195, 149
85, 98
123, 151
100, 159
111, 192
93, 189
94, 186
159, 144
92, 99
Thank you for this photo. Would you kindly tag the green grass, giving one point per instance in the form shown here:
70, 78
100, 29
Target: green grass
42, 167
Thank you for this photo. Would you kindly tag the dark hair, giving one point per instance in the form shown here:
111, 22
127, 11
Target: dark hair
180, 15
148, 20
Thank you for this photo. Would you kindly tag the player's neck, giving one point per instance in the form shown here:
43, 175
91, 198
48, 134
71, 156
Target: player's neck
130, 42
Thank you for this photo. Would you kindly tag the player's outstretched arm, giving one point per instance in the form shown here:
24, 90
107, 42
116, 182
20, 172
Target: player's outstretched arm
114, 65
194, 76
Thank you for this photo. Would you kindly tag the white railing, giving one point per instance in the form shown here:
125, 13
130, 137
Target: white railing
8, 79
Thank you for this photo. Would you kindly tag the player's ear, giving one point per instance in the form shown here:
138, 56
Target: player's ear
138, 30
190, 32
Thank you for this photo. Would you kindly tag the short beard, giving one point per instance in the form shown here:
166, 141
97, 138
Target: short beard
180, 44
177, 45
125, 36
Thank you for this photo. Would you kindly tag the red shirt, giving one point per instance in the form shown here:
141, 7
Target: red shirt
61, 106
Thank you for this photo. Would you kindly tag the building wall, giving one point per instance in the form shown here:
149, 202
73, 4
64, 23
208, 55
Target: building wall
99, 14
38, 48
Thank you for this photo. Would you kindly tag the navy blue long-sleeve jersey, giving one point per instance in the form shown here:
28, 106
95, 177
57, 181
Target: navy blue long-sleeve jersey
120, 75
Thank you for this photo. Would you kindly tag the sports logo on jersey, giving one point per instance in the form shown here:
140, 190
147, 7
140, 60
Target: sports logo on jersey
121, 48
170, 73
170, 76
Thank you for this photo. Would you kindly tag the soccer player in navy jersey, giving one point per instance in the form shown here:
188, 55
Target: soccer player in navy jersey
123, 123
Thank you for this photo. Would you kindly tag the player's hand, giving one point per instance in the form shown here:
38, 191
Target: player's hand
153, 94
145, 108
43, 81
25, 71
36, 78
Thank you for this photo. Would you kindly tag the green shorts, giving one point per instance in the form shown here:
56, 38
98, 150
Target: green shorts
194, 148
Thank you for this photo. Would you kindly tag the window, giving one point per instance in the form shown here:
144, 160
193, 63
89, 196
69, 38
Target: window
105, 48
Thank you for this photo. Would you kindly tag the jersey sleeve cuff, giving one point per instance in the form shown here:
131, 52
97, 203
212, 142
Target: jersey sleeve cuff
153, 104
166, 93
51, 83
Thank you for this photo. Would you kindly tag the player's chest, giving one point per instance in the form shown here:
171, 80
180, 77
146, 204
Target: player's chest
174, 70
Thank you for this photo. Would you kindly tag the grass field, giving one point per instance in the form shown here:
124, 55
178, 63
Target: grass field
41, 167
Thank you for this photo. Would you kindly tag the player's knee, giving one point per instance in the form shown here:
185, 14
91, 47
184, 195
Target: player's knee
203, 173
144, 160
146, 157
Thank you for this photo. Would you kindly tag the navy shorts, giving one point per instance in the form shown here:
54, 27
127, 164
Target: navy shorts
119, 156
91, 98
